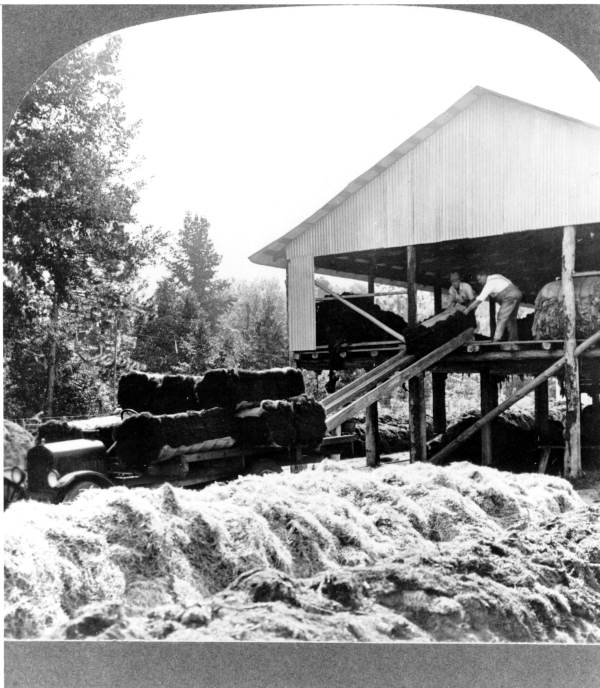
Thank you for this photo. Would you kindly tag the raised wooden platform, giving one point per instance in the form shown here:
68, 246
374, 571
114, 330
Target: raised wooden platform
351, 356
531, 356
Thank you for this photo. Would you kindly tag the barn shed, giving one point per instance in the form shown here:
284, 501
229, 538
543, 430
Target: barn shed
492, 182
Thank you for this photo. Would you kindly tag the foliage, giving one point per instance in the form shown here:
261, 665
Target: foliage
67, 204
254, 332
176, 331
171, 333
194, 264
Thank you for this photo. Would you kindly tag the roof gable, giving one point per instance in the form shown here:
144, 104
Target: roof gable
274, 253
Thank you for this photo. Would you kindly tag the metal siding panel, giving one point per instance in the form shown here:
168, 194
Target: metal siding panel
497, 167
301, 303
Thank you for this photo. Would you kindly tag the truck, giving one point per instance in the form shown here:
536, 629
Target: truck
58, 471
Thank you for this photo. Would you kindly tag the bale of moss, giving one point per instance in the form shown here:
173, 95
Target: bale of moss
309, 421
284, 423
99, 428
549, 320
139, 439
270, 423
174, 394
514, 441
274, 383
58, 431
136, 390
590, 424
423, 338
338, 325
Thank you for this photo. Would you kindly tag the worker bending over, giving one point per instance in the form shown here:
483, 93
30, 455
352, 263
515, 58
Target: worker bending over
504, 292
461, 293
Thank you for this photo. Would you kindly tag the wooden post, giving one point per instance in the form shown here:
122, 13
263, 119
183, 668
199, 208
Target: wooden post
572, 458
371, 279
492, 318
438, 380
372, 435
541, 410
372, 413
437, 298
438, 392
416, 385
489, 400
411, 284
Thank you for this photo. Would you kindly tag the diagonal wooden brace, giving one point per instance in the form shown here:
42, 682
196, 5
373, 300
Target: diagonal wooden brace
519, 394
366, 315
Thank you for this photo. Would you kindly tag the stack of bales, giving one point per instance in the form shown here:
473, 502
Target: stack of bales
249, 408
140, 439
337, 324
549, 319
222, 387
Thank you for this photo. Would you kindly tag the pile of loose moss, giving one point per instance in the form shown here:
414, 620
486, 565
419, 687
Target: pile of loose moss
17, 442
414, 552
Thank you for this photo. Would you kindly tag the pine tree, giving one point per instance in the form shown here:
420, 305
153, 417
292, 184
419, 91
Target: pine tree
194, 264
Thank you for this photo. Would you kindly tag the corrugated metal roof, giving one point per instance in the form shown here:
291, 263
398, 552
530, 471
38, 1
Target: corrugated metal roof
274, 253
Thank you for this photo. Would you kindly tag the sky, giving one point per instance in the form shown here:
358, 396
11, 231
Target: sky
256, 118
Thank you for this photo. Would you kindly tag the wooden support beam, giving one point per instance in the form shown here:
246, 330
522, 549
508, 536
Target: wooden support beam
366, 315
541, 409
371, 281
416, 384
411, 284
438, 393
507, 403
437, 298
492, 304
572, 458
372, 435
489, 400
417, 419
372, 411
438, 380
396, 292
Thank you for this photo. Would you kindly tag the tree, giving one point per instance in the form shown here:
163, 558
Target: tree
194, 263
66, 197
253, 334
178, 332
169, 334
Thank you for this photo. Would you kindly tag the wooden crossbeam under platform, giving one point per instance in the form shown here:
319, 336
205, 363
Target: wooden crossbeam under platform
468, 358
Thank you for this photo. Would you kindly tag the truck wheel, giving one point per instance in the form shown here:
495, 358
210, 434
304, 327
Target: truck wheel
263, 466
70, 492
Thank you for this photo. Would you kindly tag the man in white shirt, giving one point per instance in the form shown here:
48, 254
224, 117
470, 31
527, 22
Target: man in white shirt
504, 292
461, 293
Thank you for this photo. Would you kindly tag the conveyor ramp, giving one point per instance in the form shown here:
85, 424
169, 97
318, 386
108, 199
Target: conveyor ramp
379, 382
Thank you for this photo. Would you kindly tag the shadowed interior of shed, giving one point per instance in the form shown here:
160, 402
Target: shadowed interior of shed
530, 259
